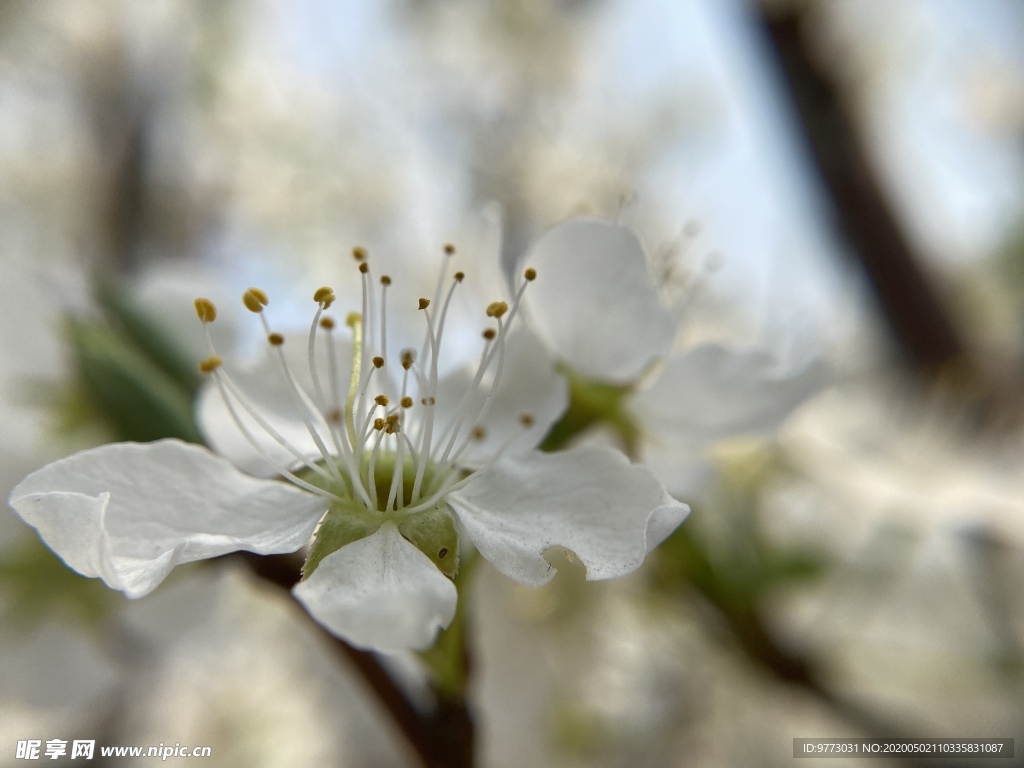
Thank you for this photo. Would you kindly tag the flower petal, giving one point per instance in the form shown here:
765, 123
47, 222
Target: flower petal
589, 500
711, 392
265, 387
530, 384
380, 593
594, 301
129, 512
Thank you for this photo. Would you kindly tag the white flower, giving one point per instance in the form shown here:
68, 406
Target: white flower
599, 311
378, 451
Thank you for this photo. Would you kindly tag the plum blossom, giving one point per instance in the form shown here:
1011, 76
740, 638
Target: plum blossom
370, 456
600, 312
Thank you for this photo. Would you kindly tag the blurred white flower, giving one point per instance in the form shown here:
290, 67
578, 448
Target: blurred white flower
599, 310
379, 451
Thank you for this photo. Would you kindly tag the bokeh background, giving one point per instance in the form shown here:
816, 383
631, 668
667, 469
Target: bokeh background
834, 180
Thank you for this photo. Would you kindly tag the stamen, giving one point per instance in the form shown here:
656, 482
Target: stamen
255, 300
408, 358
327, 323
424, 303
526, 420
489, 334
381, 400
359, 253
275, 339
378, 362
206, 310
449, 249
406, 402
210, 364
324, 297
530, 274
497, 309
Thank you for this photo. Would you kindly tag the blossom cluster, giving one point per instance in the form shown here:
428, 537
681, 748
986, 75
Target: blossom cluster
381, 462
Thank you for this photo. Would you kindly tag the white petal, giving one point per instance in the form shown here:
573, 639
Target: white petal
380, 593
530, 384
129, 512
265, 387
594, 301
711, 392
589, 500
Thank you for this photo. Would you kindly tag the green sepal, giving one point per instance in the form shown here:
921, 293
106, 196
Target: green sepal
342, 526
591, 403
433, 532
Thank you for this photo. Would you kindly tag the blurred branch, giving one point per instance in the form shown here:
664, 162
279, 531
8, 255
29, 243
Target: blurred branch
916, 317
442, 738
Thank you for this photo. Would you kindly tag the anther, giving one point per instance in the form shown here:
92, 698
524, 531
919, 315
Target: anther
460, 276
352, 319
478, 433
210, 364
255, 300
497, 309
489, 334
334, 415
378, 362
393, 419
406, 402
429, 400
381, 400
385, 280
530, 274
526, 419
379, 424
359, 253
408, 358
324, 297
206, 310
364, 267
275, 339
327, 323
424, 303
449, 249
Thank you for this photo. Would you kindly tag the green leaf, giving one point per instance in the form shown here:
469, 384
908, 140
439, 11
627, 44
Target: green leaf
139, 400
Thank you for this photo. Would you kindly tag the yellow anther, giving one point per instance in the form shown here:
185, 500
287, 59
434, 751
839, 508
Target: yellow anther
526, 419
324, 296
497, 309
391, 429
378, 362
408, 358
428, 400
424, 303
449, 248
352, 319
255, 300
379, 424
460, 276
210, 364
359, 253
275, 339
206, 310
489, 334
530, 274
406, 402
385, 280
392, 419
327, 323
381, 400
478, 433
364, 267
